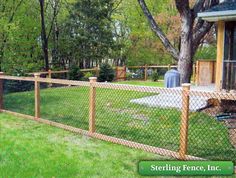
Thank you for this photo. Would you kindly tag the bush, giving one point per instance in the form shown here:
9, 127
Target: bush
128, 76
87, 76
12, 86
75, 73
155, 76
106, 73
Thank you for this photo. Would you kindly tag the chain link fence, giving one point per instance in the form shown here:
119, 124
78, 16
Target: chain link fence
19, 96
66, 104
212, 127
172, 122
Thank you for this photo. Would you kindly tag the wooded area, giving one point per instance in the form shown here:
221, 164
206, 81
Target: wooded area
56, 34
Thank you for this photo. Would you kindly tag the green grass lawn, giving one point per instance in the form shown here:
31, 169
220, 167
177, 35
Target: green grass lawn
143, 83
116, 116
30, 149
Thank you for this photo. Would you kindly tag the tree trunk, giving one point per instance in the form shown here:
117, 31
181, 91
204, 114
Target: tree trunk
185, 64
1, 56
55, 54
44, 35
185, 61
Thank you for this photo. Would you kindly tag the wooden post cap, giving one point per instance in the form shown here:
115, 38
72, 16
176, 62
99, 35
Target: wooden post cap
36, 74
186, 85
92, 79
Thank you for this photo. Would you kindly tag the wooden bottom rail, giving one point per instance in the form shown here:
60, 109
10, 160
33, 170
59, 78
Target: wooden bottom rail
152, 149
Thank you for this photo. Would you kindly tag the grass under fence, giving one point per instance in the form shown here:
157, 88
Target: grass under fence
31, 149
117, 116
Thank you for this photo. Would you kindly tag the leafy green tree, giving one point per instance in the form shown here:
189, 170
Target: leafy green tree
19, 45
90, 31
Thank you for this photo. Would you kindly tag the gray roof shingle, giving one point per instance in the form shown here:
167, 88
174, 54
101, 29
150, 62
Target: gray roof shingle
225, 6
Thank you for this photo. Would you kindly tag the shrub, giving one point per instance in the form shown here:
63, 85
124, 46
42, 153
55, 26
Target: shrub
128, 76
155, 76
12, 86
87, 76
75, 73
106, 73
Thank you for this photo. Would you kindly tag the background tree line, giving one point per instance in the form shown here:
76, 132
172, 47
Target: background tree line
42, 34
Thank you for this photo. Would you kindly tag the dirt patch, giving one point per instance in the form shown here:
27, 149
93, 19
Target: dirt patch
213, 111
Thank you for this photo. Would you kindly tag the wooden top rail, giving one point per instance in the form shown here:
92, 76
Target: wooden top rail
147, 89
47, 80
63, 82
37, 73
62, 71
164, 66
52, 72
97, 69
6, 77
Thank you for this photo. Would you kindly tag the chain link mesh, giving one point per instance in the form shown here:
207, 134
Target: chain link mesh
143, 115
19, 96
65, 104
212, 127
133, 116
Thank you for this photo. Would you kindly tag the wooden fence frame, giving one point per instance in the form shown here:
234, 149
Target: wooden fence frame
96, 70
183, 137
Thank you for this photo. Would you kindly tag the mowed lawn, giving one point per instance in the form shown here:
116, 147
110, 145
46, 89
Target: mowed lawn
30, 149
116, 116
143, 83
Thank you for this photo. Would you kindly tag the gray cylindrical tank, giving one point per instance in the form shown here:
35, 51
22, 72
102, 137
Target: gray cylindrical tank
172, 79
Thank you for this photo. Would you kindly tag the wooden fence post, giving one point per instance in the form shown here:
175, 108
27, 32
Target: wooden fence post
1, 91
184, 122
197, 73
125, 72
194, 73
97, 71
37, 95
169, 67
92, 102
50, 76
145, 73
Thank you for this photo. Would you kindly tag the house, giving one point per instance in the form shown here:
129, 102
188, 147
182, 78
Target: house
224, 15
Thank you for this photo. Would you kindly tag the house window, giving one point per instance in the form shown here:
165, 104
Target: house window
229, 62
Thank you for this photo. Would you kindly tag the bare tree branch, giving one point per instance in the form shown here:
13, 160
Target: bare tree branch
198, 6
200, 34
55, 13
182, 6
157, 30
202, 28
